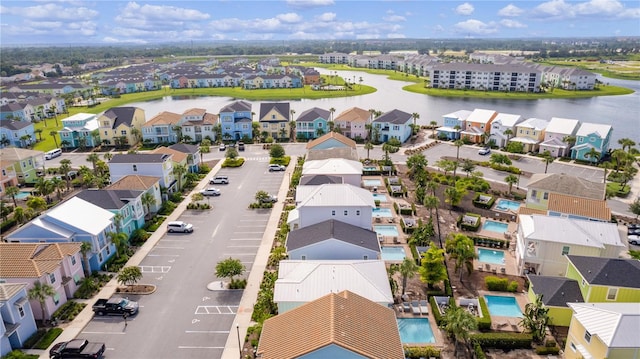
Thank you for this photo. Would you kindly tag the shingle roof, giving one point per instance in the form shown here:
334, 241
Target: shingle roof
184, 148
109, 199
556, 291
139, 158
15, 125
313, 114
332, 135
237, 106
333, 229
394, 116
316, 180
121, 115
592, 208
32, 260
281, 107
134, 182
567, 184
616, 324
613, 272
344, 319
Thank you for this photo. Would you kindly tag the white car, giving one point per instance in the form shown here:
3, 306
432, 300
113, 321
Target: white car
211, 191
219, 180
634, 239
274, 168
223, 147
179, 226
484, 151
270, 199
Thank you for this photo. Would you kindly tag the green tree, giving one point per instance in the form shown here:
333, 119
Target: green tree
44, 187
634, 207
12, 191
461, 249
40, 292
93, 158
120, 240
432, 269
593, 155
85, 248
179, 170
415, 116
535, 318
446, 166
368, 146
453, 196
500, 159
431, 202
515, 147
417, 165
65, 167
511, 180
19, 215
458, 324
433, 125
129, 276
58, 185
626, 143
276, 151
508, 132
546, 156
229, 268
231, 153
468, 166
37, 204
261, 196
408, 269
458, 144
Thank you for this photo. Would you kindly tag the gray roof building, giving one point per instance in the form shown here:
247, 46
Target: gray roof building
613, 272
333, 229
556, 291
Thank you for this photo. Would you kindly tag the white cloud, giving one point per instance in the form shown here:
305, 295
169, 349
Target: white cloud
438, 28
512, 24
630, 14
290, 17
599, 7
510, 11
396, 36
553, 9
367, 36
114, 40
327, 16
602, 9
475, 27
394, 18
51, 12
465, 9
161, 12
309, 3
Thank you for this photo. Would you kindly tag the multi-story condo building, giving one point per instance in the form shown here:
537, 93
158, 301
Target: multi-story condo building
487, 77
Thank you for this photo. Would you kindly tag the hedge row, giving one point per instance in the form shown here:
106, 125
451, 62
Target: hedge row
421, 352
484, 205
502, 340
484, 323
501, 284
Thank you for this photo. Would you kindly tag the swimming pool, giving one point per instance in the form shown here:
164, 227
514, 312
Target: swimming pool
415, 330
369, 168
490, 256
379, 197
392, 253
371, 182
382, 212
507, 205
23, 195
494, 226
386, 230
503, 306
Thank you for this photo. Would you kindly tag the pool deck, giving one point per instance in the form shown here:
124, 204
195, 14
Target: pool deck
507, 324
437, 333
511, 228
509, 264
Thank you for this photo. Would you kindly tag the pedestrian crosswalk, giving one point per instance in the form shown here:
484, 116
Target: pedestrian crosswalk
258, 159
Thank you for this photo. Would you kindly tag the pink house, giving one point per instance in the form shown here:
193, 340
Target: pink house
352, 122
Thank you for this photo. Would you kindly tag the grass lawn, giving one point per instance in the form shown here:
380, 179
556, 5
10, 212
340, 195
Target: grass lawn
617, 187
557, 93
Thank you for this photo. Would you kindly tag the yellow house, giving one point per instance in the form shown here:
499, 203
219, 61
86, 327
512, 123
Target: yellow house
603, 330
530, 133
121, 126
274, 119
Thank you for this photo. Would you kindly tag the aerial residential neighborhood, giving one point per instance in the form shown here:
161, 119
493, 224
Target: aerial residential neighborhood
277, 189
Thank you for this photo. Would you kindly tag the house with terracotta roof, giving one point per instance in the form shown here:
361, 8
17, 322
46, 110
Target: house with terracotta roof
80, 130
393, 124
530, 133
566, 196
603, 330
16, 133
591, 136
161, 128
56, 264
17, 323
117, 124
542, 242
452, 124
478, 125
74, 220
337, 325
236, 120
20, 165
312, 123
196, 125
145, 184
333, 240
606, 279
178, 158
147, 164
555, 135
353, 122
274, 119
332, 145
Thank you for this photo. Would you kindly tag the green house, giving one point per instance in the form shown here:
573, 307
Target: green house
24, 162
606, 279
556, 293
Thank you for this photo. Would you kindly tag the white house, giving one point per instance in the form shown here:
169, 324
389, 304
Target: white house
501, 123
147, 164
300, 282
543, 242
349, 170
555, 134
332, 240
342, 202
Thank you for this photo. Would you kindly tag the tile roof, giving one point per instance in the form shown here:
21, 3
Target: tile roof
13, 154
333, 229
8, 290
177, 156
335, 136
612, 272
32, 260
592, 208
616, 324
394, 116
567, 184
344, 319
556, 291
163, 118
134, 182
354, 114
195, 112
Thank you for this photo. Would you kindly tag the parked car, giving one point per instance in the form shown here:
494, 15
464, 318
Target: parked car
240, 146
269, 199
115, 306
211, 191
77, 348
484, 151
633, 226
180, 227
634, 239
633, 231
219, 180
275, 168
222, 147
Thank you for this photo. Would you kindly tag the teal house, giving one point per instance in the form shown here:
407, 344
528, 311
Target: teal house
312, 123
591, 136
126, 205
80, 130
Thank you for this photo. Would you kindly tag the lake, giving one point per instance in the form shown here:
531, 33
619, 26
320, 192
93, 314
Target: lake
622, 112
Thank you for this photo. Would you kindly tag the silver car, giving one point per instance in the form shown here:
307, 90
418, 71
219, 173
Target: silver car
179, 227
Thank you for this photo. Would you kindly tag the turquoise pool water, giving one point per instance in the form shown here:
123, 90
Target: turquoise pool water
372, 182
386, 230
369, 168
382, 212
415, 330
490, 256
392, 253
494, 226
379, 197
23, 195
503, 306
507, 205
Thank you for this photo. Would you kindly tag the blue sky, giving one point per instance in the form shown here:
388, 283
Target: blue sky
104, 22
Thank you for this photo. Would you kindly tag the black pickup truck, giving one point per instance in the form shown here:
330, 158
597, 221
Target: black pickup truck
77, 348
115, 306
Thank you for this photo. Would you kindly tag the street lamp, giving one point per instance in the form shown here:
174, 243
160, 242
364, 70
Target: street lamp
239, 344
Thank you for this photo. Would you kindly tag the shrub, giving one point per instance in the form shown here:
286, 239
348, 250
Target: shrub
7, 224
546, 350
484, 323
139, 236
48, 338
502, 340
68, 311
512, 287
166, 209
233, 162
421, 352
496, 284
238, 284
469, 226
477, 349
17, 354
281, 161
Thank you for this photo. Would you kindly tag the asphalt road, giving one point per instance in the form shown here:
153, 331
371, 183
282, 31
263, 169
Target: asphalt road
185, 319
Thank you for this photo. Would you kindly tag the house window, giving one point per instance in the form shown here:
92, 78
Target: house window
545, 195
303, 258
52, 278
100, 257
135, 168
21, 311
123, 132
357, 212
108, 250
587, 336
73, 260
333, 213
56, 298
365, 257
396, 128
346, 213
592, 139
565, 250
583, 283
612, 293
573, 347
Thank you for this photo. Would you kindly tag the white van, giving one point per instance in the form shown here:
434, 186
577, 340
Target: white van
52, 154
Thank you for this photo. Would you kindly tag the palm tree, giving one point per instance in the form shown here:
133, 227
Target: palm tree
453, 196
458, 144
546, 156
44, 187
179, 170
511, 180
85, 248
148, 200
431, 202
368, 146
93, 158
39, 132
119, 239
53, 135
41, 292
19, 215
593, 155
408, 269
433, 125
12, 191
332, 110
461, 249
415, 117
508, 132
65, 167
535, 318
136, 134
58, 185
626, 143
459, 323
117, 220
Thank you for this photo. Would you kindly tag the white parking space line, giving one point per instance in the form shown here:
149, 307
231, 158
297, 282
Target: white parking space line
247, 246
206, 331
254, 220
258, 226
113, 333
188, 347
216, 309
162, 247
163, 255
246, 239
239, 254
175, 240
261, 232
155, 269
